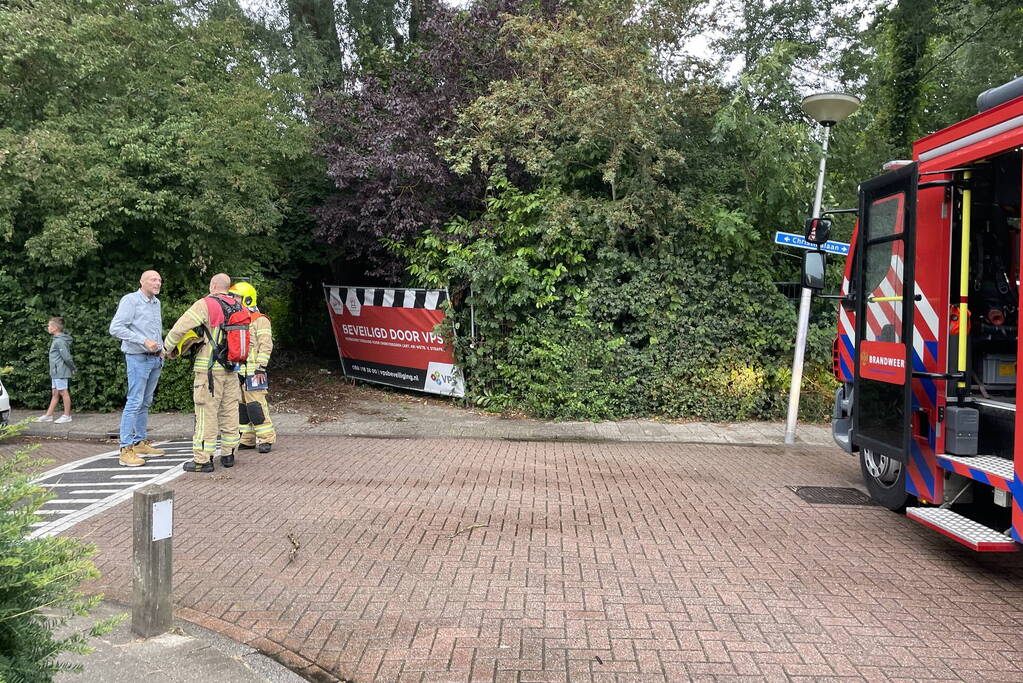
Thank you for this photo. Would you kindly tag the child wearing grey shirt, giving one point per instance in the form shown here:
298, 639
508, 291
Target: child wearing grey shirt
62, 368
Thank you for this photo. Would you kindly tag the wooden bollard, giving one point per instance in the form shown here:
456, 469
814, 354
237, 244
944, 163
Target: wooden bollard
153, 515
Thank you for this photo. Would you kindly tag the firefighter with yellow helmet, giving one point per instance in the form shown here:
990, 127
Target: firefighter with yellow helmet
257, 430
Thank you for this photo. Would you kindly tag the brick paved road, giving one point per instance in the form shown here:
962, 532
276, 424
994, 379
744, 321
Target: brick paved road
596, 562
57, 451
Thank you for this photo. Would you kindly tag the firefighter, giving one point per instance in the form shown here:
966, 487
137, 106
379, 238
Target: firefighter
257, 431
215, 388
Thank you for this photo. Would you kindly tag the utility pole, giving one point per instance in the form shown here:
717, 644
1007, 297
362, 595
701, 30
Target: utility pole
827, 109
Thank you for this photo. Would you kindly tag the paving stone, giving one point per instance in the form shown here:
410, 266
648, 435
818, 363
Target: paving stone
463, 559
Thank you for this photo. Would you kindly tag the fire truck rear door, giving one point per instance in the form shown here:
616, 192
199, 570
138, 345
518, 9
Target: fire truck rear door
883, 290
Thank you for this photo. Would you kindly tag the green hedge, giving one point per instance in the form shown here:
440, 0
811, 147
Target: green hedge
700, 339
101, 383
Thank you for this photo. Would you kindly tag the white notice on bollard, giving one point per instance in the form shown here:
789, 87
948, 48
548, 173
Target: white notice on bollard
163, 519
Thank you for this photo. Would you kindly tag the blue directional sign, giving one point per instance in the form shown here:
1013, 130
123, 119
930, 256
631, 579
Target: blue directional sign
789, 239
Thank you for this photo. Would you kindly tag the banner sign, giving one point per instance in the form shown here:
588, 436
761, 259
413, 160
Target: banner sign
883, 361
387, 336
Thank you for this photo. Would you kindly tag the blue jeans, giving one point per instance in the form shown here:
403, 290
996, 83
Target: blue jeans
143, 374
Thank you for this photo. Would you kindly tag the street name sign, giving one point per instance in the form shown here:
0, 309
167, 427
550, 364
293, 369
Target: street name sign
789, 239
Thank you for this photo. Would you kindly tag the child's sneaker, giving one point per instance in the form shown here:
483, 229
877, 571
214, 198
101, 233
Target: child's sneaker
63, 419
44, 418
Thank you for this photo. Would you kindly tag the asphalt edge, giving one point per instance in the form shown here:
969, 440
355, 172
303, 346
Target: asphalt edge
267, 647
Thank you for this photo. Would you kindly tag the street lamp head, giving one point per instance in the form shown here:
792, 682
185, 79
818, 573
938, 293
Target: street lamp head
828, 108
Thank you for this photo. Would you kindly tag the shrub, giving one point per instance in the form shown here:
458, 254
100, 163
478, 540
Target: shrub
38, 580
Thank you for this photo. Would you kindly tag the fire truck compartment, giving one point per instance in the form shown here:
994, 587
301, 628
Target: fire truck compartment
993, 300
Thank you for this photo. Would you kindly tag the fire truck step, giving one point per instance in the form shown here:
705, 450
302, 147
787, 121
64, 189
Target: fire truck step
971, 534
988, 469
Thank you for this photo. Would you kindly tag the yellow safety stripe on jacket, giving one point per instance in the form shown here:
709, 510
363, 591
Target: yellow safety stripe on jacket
203, 364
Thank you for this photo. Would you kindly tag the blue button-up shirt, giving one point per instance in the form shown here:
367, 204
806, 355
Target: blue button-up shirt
136, 320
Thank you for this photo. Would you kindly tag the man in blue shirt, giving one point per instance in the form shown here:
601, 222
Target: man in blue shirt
139, 325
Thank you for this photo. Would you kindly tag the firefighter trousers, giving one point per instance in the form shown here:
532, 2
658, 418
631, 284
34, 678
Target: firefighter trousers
216, 414
252, 434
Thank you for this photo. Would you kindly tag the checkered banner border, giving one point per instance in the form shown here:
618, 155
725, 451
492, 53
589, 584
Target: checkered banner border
430, 299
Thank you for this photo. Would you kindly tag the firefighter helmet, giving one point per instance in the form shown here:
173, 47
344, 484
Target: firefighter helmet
245, 292
189, 344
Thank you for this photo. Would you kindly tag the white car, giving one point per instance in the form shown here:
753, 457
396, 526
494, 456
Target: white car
5, 404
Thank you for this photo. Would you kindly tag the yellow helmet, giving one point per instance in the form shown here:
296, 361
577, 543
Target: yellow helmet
246, 292
189, 344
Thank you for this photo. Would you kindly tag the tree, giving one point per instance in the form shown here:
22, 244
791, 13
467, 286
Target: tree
315, 45
379, 142
750, 30
133, 135
610, 272
907, 30
133, 124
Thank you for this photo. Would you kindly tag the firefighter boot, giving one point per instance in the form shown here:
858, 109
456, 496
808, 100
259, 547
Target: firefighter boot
145, 447
227, 460
246, 446
193, 466
263, 448
129, 459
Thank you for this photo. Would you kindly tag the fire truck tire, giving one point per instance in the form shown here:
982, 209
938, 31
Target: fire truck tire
885, 479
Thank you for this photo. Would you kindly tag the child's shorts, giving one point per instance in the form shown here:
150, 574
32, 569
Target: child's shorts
58, 384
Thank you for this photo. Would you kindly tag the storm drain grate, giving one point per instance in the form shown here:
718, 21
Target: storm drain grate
831, 495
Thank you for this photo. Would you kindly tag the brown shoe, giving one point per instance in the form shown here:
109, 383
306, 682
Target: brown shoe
146, 448
129, 459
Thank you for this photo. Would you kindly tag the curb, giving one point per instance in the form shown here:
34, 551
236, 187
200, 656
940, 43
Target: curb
551, 438
96, 436
295, 662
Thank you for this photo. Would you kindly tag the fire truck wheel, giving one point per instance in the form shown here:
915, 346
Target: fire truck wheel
885, 479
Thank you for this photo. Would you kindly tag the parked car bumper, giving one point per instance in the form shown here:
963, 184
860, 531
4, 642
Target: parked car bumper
5, 405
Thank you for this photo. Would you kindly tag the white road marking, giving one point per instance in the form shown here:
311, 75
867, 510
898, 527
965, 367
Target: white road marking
152, 473
58, 484
140, 468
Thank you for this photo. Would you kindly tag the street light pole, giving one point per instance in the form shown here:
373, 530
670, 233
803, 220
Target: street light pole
803, 325
827, 109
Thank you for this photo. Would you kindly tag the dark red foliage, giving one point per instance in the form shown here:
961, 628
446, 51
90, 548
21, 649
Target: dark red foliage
380, 144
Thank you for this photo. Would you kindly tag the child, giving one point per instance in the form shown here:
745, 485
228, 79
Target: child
62, 368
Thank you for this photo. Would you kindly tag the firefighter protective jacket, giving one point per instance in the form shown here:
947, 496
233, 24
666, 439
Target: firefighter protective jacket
198, 314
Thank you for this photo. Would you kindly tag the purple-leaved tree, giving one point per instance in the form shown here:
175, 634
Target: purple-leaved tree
380, 140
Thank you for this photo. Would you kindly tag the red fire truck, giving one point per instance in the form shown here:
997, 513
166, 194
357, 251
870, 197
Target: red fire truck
928, 330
